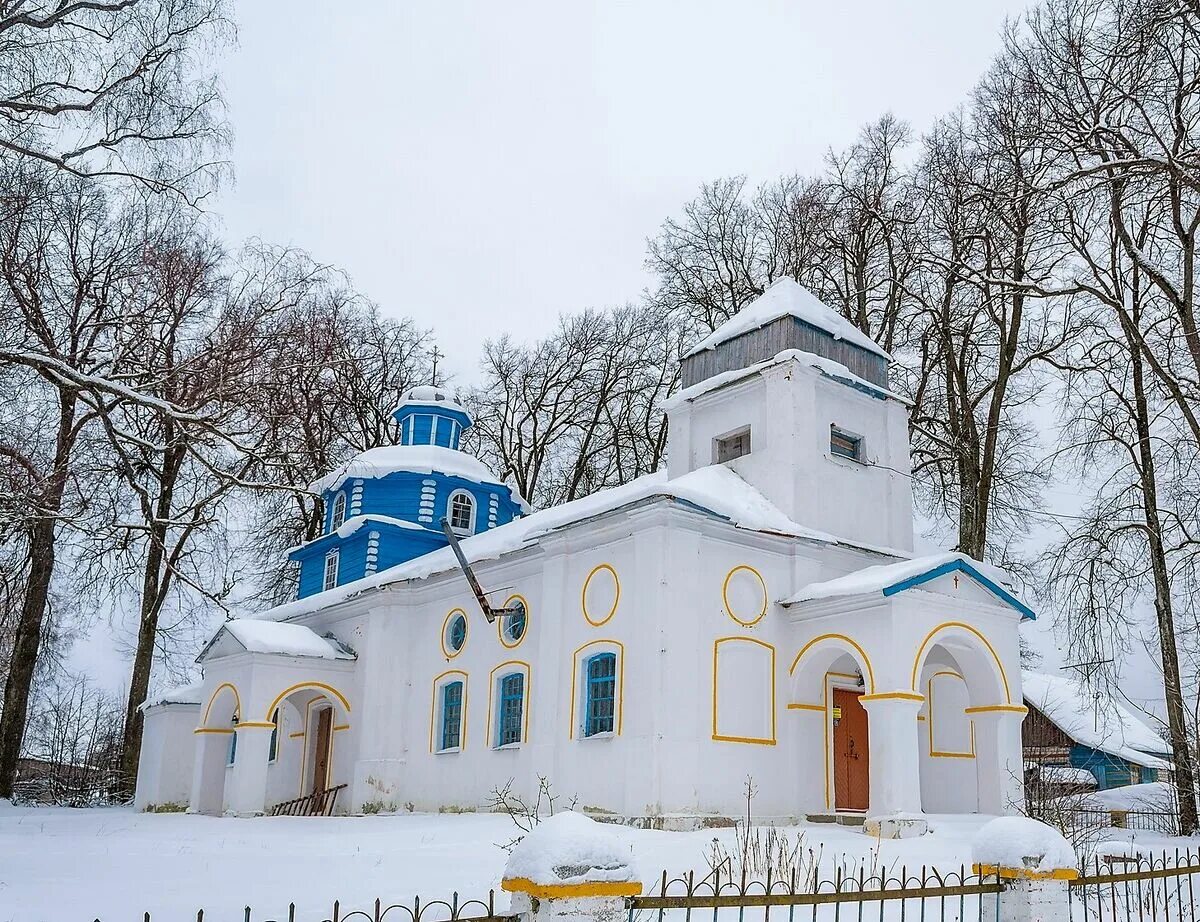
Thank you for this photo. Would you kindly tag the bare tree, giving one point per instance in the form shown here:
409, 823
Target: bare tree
114, 88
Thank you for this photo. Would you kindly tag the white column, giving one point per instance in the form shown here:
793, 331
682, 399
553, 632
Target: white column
998, 761
895, 766
208, 771
807, 728
247, 794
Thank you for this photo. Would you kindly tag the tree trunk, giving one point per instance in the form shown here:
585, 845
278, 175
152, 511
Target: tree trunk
28, 639
1185, 779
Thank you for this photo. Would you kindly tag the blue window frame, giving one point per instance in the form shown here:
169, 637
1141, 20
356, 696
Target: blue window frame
452, 700
457, 633
512, 706
601, 694
514, 624
233, 741
273, 752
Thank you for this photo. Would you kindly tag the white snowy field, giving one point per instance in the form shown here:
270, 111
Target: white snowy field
64, 865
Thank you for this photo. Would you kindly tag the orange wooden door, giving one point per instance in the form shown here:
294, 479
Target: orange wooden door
851, 756
321, 752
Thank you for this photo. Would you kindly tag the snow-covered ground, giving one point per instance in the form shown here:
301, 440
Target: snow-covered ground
66, 865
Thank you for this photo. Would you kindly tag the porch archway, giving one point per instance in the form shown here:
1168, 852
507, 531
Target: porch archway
216, 749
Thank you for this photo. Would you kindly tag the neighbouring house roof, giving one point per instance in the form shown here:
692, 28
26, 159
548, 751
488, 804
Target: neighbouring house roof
252, 635
716, 490
889, 579
1066, 774
786, 297
1098, 723
417, 459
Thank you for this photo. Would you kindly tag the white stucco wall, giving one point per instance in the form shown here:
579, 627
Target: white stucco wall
165, 762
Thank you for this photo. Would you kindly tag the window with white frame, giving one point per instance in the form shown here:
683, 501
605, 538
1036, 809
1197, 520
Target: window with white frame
731, 446
452, 712
600, 694
462, 512
338, 518
331, 570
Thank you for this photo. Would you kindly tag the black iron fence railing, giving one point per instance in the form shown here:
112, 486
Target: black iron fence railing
1146, 889
433, 911
926, 894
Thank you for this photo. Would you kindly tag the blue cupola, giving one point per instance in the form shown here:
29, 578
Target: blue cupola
431, 416
385, 506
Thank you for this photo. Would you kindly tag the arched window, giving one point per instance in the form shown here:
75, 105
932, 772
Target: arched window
233, 741
273, 751
462, 512
452, 701
331, 570
339, 512
601, 694
512, 709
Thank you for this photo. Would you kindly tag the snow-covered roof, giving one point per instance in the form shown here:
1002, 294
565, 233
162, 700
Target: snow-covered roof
716, 490
888, 579
418, 459
1101, 724
428, 395
1066, 774
1152, 796
257, 636
183, 694
786, 297
828, 367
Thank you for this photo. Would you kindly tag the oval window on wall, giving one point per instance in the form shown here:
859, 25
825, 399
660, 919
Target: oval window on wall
514, 625
454, 633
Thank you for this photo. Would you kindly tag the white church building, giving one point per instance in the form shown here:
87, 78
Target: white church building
755, 610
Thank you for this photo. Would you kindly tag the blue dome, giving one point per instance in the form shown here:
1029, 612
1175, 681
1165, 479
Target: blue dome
385, 506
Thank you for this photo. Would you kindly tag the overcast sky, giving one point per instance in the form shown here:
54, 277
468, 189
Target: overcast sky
484, 166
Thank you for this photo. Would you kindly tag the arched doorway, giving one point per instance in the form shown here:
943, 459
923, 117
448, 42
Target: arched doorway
308, 721
964, 725
829, 677
216, 749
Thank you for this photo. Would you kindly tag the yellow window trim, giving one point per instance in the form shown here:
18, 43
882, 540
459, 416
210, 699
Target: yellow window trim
576, 659
951, 625
1002, 708
616, 599
447, 652
213, 730
491, 735
725, 596
257, 725
802, 706
515, 597
301, 685
237, 709
433, 704
864, 661
764, 741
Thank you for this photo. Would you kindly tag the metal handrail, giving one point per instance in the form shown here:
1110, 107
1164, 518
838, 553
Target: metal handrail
318, 803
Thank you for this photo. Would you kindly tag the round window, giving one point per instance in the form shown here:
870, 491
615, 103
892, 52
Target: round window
514, 623
455, 637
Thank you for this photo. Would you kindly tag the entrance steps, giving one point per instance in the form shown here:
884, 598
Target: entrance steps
841, 819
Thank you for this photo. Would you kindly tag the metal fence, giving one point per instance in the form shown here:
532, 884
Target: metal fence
1165, 822
1123, 889
924, 894
451, 910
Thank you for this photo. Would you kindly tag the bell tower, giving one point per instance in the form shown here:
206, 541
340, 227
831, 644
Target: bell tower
795, 399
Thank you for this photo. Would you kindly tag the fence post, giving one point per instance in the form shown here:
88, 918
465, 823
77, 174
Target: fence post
570, 869
1034, 865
